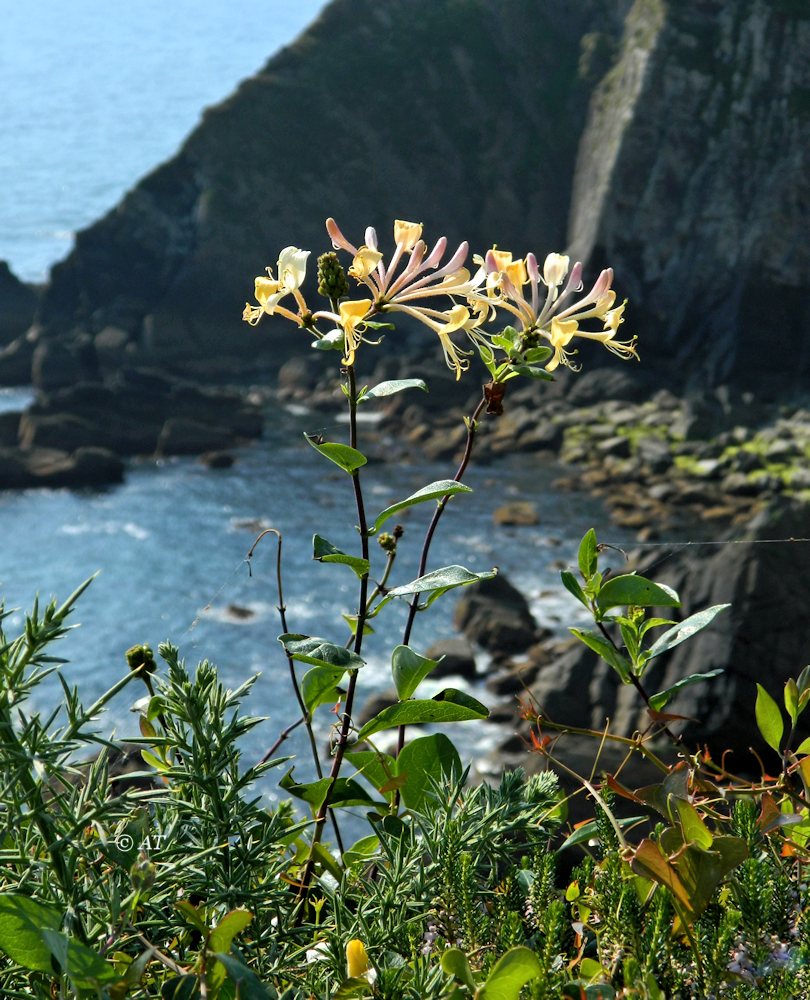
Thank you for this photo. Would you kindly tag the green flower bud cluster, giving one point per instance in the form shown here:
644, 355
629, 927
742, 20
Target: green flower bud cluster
388, 540
332, 283
140, 659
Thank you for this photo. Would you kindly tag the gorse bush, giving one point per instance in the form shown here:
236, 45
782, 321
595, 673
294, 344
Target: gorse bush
176, 882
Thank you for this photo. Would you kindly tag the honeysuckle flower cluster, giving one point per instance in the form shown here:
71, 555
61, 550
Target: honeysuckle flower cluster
540, 308
543, 309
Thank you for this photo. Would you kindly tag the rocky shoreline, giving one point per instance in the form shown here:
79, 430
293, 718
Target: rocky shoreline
80, 435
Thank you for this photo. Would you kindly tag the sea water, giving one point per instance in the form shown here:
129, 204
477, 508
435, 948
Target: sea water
93, 95
170, 545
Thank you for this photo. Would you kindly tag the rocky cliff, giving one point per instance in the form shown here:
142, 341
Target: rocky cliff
693, 181
461, 113
668, 139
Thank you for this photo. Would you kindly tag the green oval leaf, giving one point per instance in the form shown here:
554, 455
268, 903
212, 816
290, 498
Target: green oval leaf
449, 705
658, 701
791, 696
375, 766
573, 587
454, 962
393, 386
631, 589
587, 557
346, 793
422, 762
86, 968
319, 686
248, 985
349, 459
324, 551
319, 652
362, 850
232, 923
769, 718
22, 921
511, 973
606, 650
433, 491
409, 669
531, 372
684, 630
437, 583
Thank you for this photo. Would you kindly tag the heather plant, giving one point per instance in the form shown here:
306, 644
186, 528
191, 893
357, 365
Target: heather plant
179, 883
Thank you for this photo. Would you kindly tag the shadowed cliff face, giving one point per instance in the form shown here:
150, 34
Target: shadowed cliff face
668, 140
459, 113
693, 181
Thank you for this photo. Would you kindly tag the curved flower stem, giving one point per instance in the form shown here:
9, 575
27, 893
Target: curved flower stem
472, 425
362, 610
305, 716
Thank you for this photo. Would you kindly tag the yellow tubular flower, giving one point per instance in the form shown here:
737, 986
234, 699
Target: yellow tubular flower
562, 332
365, 262
352, 314
269, 291
407, 234
357, 963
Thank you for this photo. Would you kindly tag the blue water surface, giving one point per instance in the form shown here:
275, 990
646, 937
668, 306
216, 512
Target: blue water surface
93, 95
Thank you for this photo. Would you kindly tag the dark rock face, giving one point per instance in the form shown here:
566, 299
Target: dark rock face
763, 637
48, 467
693, 182
476, 131
140, 412
668, 140
495, 615
456, 657
18, 303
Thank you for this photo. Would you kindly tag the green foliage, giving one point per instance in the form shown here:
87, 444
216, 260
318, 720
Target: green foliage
627, 648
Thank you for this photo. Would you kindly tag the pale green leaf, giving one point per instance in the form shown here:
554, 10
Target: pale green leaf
449, 705
769, 718
684, 630
633, 590
349, 459
324, 551
433, 491
658, 701
409, 669
392, 386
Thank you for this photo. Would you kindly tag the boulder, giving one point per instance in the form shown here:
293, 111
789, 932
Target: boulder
47, 467
495, 615
19, 304
9, 428
516, 512
217, 459
181, 436
59, 363
139, 412
456, 656
764, 637
15, 362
